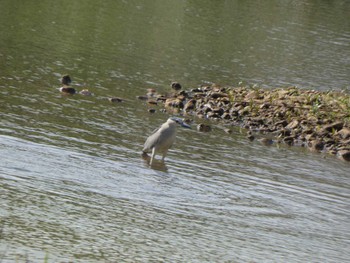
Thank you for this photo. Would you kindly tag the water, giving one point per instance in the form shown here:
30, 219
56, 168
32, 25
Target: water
79, 206
73, 185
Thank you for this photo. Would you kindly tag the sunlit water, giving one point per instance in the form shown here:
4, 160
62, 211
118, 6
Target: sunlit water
73, 185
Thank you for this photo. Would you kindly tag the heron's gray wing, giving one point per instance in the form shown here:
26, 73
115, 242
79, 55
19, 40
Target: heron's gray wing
151, 140
155, 130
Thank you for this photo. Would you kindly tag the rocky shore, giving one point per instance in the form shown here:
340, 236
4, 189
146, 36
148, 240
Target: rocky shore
317, 120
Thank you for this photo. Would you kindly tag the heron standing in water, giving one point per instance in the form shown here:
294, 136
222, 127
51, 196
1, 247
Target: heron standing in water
163, 138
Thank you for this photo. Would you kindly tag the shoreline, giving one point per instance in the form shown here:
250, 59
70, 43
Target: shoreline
319, 121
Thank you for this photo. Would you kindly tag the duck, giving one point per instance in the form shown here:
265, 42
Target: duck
68, 90
66, 81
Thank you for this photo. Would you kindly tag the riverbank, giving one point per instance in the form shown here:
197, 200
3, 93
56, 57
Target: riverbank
319, 121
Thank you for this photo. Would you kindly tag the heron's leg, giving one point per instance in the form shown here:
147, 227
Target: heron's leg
153, 154
164, 154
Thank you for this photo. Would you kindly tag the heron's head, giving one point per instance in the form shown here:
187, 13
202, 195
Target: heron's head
180, 122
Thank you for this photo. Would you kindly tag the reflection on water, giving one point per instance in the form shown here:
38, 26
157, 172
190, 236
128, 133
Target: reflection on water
116, 45
156, 164
73, 184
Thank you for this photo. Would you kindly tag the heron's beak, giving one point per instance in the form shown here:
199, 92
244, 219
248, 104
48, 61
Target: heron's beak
185, 125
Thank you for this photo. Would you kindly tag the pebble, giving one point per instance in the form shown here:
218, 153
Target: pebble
115, 99
152, 102
316, 145
176, 86
344, 155
227, 130
344, 133
85, 92
142, 97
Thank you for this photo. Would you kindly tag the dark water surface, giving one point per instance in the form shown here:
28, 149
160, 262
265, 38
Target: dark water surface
73, 185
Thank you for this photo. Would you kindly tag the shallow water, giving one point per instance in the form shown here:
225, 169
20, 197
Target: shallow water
77, 206
73, 185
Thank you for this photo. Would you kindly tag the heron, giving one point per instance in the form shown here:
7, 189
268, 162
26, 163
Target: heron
163, 138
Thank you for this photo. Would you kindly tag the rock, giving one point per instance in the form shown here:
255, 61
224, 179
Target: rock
227, 130
293, 124
316, 145
282, 123
266, 141
346, 143
200, 115
161, 98
218, 110
180, 97
216, 95
151, 110
183, 93
206, 108
250, 137
206, 88
115, 99
344, 155
284, 133
288, 140
203, 127
212, 115
151, 92
152, 102
187, 121
226, 116
197, 90
190, 105
332, 151
334, 126
282, 93
344, 133
244, 111
142, 97
265, 106
176, 86
310, 136
174, 102
85, 92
